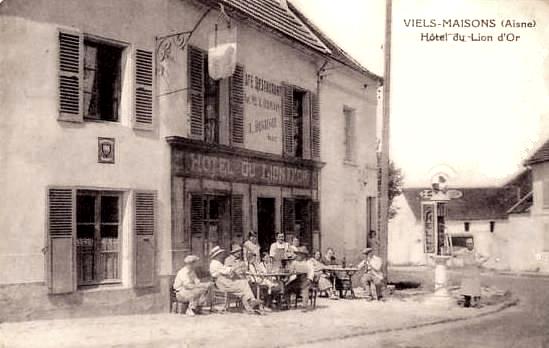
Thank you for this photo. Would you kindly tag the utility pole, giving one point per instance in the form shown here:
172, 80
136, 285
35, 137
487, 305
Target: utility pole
384, 194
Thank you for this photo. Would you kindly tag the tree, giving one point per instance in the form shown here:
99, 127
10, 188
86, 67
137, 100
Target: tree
396, 180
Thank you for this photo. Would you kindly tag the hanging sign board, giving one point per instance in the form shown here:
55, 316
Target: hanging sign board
222, 53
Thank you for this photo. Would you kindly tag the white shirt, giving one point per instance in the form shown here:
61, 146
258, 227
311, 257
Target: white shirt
277, 246
217, 269
185, 279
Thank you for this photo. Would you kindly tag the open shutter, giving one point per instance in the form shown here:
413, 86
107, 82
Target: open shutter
237, 217
70, 76
236, 98
196, 225
316, 225
143, 90
288, 217
195, 71
288, 119
61, 225
315, 127
145, 226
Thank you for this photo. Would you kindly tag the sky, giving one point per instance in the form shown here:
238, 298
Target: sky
473, 109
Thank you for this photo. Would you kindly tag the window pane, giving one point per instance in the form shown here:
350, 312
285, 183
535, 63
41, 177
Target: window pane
86, 231
85, 208
109, 209
109, 231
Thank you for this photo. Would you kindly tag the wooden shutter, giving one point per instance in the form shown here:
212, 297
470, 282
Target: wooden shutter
61, 226
315, 127
196, 71
237, 217
143, 90
236, 98
288, 216
70, 76
196, 224
316, 224
145, 227
288, 120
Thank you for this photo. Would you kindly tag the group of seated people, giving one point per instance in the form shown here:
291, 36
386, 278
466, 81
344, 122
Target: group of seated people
245, 268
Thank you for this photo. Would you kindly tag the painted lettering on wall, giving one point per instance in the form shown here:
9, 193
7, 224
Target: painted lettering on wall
246, 170
263, 114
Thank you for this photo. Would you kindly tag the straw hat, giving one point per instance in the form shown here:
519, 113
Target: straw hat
236, 249
302, 250
190, 259
367, 250
216, 250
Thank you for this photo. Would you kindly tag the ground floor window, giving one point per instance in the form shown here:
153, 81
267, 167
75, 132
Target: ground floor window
98, 217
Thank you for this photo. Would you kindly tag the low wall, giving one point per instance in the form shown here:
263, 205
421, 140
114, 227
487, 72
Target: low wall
31, 301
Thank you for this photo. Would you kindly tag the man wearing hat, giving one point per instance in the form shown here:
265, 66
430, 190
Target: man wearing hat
188, 288
278, 251
234, 260
226, 280
302, 276
373, 276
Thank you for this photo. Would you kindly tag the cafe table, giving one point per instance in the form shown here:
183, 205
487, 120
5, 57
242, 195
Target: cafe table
281, 278
349, 271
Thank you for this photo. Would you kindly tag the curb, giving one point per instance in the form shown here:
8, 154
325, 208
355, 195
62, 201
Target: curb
498, 309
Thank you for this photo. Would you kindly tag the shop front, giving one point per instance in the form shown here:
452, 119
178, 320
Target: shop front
221, 193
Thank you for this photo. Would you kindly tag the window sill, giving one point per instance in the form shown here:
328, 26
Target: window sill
107, 285
350, 163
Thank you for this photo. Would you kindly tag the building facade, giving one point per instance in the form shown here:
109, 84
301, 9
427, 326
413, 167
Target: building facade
120, 155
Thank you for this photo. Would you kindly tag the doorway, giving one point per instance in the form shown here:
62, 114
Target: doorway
266, 228
302, 227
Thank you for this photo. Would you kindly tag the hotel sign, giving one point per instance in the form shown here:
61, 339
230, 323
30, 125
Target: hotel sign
234, 168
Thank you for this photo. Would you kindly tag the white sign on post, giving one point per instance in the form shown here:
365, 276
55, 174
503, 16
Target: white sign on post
222, 53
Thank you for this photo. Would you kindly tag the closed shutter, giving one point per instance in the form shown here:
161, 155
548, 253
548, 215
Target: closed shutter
237, 217
316, 225
143, 90
196, 225
236, 98
70, 76
61, 225
288, 216
195, 72
315, 127
145, 227
288, 119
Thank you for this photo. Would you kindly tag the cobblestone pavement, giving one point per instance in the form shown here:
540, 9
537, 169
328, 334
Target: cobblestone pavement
331, 320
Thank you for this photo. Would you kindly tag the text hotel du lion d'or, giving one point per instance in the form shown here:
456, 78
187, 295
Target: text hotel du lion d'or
469, 30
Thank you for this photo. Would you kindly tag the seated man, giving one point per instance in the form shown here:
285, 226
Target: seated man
226, 280
188, 287
268, 286
234, 260
302, 277
373, 276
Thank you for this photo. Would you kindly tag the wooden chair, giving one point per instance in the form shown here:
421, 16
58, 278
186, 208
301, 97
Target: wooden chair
313, 294
225, 298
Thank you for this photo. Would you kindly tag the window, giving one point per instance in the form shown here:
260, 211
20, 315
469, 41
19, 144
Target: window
211, 107
102, 66
349, 115
466, 226
546, 194
492, 226
546, 238
298, 114
97, 237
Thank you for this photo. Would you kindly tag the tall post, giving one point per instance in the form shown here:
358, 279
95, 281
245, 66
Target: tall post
384, 194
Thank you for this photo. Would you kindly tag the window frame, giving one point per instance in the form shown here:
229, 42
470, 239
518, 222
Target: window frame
349, 137
98, 194
123, 47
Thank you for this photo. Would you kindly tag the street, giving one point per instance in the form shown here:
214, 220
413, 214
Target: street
525, 325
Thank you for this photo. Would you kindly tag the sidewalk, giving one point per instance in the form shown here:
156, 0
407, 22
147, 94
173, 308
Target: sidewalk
331, 320
485, 271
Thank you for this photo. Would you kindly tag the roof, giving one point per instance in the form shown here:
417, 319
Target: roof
338, 53
482, 203
292, 24
273, 15
523, 205
541, 155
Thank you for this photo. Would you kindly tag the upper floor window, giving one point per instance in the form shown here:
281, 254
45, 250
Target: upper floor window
211, 107
349, 115
101, 81
299, 106
91, 77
